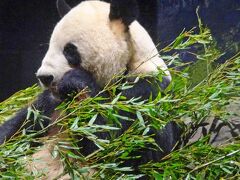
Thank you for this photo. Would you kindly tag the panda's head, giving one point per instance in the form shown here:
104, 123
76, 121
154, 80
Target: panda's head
102, 38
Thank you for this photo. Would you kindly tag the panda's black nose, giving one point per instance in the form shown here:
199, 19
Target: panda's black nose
46, 79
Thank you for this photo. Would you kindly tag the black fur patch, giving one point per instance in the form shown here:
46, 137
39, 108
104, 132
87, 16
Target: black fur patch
126, 10
72, 55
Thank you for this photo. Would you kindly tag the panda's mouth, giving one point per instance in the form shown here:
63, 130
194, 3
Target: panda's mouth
54, 90
50, 86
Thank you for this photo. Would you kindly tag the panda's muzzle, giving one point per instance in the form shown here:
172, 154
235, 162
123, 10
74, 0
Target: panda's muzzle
46, 80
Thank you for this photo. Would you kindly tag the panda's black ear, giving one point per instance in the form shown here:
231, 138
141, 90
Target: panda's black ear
126, 10
62, 7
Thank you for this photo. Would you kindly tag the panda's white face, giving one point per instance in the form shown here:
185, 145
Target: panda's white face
86, 32
87, 37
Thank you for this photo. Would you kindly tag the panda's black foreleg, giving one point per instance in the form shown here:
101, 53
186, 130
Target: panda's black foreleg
45, 103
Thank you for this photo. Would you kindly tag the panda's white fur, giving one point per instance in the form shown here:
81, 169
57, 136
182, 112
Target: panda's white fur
102, 44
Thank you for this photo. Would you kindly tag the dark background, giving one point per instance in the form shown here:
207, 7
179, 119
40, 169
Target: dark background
25, 29
26, 26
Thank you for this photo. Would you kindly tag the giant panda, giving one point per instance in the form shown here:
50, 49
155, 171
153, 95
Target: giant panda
92, 43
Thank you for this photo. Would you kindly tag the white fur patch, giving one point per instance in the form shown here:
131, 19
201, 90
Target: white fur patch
88, 27
145, 56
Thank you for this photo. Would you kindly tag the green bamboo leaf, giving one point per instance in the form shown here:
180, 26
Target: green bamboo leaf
91, 122
140, 118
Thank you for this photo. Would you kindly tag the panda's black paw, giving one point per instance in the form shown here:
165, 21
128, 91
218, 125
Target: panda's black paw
75, 81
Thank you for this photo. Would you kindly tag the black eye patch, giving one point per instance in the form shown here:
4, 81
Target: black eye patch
72, 55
